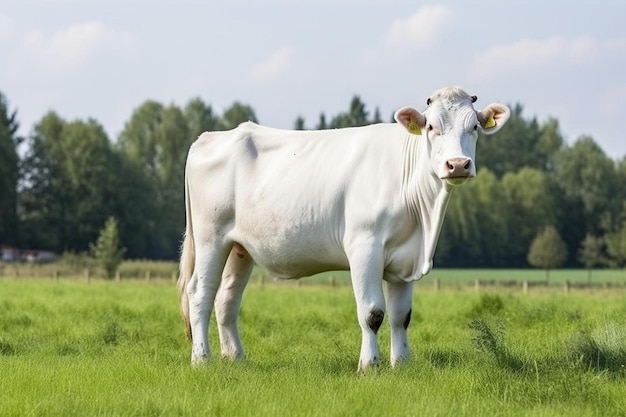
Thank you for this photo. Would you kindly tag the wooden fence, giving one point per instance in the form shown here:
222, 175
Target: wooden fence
169, 273
24, 270
527, 286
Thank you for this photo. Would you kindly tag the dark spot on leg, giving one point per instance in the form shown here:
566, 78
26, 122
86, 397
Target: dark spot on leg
375, 319
407, 319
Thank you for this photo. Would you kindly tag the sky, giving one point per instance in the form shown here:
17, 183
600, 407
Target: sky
103, 59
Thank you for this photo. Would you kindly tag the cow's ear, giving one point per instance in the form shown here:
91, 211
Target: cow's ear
493, 117
411, 119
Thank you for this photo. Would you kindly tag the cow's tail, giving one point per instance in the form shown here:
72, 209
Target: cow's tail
187, 260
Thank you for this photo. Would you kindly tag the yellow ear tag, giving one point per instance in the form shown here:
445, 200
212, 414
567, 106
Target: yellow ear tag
414, 128
490, 122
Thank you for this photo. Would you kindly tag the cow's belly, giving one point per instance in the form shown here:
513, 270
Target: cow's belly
291, 252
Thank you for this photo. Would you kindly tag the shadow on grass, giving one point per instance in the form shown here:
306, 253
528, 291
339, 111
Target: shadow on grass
445, 359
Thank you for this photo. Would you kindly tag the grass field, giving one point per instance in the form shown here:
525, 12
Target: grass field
117, 349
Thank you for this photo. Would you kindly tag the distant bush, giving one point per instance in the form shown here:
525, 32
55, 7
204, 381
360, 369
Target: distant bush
77, 259
488, 304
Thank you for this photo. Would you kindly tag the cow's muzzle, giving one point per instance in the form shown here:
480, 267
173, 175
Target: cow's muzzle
458, 170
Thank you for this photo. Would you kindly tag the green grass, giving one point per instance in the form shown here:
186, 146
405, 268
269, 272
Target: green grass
110, 349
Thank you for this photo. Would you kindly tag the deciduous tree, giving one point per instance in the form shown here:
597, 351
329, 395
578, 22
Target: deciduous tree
591, 253
236, 114
157, 139
547, 250
67, 189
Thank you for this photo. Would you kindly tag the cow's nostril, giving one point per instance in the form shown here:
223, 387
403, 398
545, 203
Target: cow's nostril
468, 164
449, 165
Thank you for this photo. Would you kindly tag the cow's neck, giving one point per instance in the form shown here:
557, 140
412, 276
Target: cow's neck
427, 198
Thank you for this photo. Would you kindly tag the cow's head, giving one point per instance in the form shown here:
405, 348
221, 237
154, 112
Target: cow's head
450, 124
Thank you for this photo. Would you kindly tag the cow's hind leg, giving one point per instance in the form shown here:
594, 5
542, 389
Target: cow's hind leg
399, 300
367, 270
201, 290
228, 301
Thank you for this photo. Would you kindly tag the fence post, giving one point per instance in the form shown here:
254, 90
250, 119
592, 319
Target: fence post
87, 275
477, 285
525, 287
566, 287
437, 284
55, 275
148, 277
332, 281
118, 276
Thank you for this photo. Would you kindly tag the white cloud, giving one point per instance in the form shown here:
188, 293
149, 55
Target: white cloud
421, 28
529, 55
74, 45
278, 62
69, 48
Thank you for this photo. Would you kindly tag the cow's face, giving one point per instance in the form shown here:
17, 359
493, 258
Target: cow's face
450, 124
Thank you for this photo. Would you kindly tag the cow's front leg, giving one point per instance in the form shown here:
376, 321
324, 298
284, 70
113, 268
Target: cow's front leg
366, 267
399, 300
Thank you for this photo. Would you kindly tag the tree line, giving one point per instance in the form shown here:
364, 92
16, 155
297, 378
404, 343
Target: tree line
58, 193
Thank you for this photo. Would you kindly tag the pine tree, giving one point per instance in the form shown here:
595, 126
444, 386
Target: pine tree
107, 251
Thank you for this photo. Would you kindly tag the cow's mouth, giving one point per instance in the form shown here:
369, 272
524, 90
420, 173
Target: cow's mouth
457, 180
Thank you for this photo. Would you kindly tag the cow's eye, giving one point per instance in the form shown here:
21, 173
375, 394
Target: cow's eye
429, 127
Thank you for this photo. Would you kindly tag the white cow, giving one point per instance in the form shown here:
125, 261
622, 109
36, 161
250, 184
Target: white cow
366, 199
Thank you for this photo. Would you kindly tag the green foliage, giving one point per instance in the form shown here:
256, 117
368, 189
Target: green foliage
588, 177
200, 117
68, 189
531, 205
299, 123
547, 250
107, 250
236, 114
357, 115
615, 240
478, 206
76, 260
321, 124
156, 141
523, 143
9, 173
591, 252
